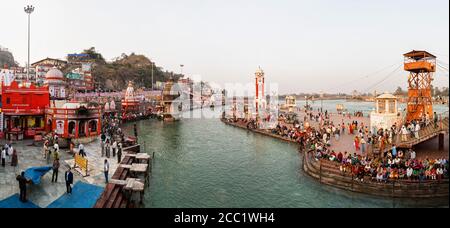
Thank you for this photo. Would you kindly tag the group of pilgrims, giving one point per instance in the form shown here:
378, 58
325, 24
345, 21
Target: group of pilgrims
362, 162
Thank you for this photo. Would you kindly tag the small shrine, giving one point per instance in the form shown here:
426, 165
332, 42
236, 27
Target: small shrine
74, 121
290, 103
130, 104
386, 112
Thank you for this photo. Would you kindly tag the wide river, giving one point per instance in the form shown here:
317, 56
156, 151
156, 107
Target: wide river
201, 162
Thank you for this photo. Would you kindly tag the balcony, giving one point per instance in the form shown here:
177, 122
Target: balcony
420, 66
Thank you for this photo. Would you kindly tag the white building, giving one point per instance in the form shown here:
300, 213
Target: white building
56, 83
386, 112
6, 76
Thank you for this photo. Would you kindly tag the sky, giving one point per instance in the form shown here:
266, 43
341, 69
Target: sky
302, 45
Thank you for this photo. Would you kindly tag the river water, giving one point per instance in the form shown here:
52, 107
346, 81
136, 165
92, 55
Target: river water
202, 163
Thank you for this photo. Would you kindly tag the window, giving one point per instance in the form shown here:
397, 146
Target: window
8, 100
93, 126
71, 129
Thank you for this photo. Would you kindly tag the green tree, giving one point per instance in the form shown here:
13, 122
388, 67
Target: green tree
93, 54
399, 91
444, 92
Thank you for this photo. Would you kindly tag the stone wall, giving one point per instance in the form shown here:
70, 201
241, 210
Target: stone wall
328, 173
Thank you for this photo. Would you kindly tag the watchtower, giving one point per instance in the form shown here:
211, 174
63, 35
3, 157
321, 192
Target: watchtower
421, 66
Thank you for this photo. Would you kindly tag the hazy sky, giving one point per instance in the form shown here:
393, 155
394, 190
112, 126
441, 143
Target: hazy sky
304, 46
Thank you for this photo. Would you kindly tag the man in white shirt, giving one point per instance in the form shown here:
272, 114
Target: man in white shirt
416, 131
413, 154
81, 150
409, 172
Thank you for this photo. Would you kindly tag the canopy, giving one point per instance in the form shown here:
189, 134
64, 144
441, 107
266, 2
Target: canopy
35, 173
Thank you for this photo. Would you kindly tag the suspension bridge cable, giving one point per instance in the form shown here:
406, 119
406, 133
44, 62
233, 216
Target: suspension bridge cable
364, 77
442, 67
384, 79
442, 63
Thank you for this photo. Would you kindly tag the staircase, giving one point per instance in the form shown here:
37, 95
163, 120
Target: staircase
425, 134
429, 132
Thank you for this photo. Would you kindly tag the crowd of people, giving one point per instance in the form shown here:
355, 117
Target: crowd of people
402, 165
392, 164
9, 155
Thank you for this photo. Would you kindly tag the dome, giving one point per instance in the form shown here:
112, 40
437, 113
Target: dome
386, 96
54, 73
259, 71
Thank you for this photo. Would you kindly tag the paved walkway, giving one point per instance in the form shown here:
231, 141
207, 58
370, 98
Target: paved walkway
46, 192
427, 149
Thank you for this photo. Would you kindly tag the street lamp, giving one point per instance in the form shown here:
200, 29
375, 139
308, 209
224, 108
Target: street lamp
28, 9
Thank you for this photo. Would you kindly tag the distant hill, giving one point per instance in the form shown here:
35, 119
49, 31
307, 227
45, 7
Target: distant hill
6, 57
134, 67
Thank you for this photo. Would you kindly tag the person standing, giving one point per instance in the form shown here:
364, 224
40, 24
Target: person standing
3, 156
107, 148
119, 153
9, 152
363, 145
102, 145
45, 151
81, 150
114, 148
404, 134
106, 170
55, 168
356, 143
135, 131
69, 181
22, 186
56, 151
435, 120
416, 130
14, 158
55, 139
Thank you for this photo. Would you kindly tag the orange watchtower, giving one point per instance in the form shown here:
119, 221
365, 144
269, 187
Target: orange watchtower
421, 66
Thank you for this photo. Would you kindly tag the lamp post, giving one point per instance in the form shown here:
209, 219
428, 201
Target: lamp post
28, 9
181, 67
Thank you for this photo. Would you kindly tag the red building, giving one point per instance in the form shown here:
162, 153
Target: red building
74, 120
23, 107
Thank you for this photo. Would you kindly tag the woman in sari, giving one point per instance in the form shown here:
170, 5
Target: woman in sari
356, 142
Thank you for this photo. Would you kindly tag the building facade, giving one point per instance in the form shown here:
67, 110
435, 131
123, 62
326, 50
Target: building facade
23, 109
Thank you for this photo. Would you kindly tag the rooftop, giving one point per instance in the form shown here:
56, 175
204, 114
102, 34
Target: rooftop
417, 55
